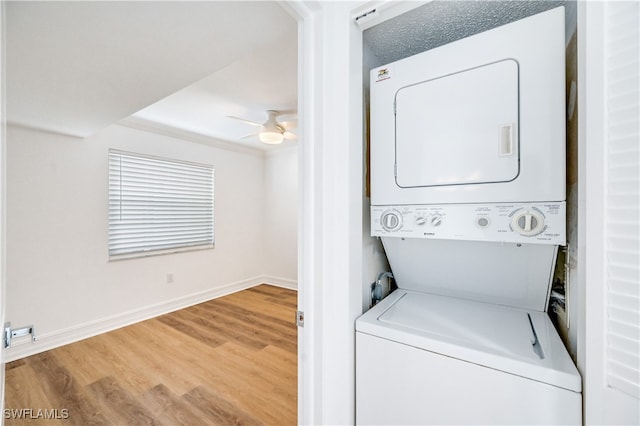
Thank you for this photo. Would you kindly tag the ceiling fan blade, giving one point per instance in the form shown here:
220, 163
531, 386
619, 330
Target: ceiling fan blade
252, 135
289, 125
290, 136
253, 123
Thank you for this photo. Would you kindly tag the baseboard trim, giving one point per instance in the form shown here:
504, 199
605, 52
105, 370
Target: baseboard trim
280, 282
54, 339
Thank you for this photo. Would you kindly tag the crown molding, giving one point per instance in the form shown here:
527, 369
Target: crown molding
40, 129
174, 132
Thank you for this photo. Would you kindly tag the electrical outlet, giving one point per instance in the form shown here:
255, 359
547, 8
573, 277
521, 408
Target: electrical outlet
169, 277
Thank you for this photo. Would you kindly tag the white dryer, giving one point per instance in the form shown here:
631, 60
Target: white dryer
468, 198
479, 120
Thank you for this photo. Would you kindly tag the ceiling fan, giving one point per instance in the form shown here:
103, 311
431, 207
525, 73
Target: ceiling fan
271, 131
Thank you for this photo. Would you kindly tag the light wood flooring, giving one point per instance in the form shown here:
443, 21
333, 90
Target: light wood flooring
231, 360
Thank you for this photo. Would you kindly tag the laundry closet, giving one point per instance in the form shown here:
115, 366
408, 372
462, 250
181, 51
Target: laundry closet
468, 189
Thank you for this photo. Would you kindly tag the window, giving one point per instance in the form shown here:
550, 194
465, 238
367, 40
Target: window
158, 206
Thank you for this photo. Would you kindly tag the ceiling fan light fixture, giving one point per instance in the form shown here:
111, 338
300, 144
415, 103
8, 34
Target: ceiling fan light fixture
271, 137
271, 131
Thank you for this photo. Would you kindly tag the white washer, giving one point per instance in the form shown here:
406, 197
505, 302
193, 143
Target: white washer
429, 359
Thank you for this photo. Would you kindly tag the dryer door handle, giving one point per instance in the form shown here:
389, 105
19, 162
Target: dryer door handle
507, 138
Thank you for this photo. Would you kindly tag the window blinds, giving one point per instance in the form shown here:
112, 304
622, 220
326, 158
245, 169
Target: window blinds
623, 197
158, 205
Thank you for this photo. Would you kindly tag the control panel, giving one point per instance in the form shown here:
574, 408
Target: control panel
539, 223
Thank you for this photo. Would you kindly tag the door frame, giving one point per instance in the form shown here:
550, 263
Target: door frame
3, 192
331, 197
329, 253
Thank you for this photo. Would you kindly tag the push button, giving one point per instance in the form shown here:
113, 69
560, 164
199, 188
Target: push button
482, 222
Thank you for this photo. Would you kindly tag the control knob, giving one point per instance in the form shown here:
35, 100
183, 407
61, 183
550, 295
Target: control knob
528, 223
436, 220
391, 220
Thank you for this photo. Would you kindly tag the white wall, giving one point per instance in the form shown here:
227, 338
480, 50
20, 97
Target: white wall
281, 214
58, 274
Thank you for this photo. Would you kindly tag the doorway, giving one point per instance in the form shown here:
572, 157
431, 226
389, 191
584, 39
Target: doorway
163, 276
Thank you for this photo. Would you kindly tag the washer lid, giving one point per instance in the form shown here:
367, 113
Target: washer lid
517, 275
515, 341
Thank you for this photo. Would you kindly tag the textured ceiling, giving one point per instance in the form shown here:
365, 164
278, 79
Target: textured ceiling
440, 22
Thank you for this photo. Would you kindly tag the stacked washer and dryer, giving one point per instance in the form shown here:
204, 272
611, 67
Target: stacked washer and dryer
468, 198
